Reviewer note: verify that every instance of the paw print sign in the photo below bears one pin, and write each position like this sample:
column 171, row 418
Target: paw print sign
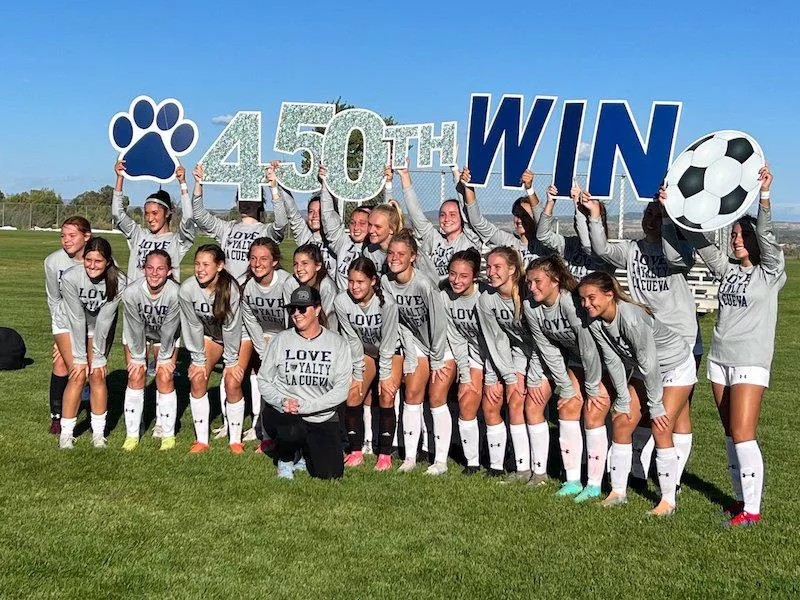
column 150, row 137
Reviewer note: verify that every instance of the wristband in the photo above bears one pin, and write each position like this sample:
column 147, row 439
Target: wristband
column 530, row 192
column 275, row 194
column 184, row 187
column 388, row 185
column 765, row 195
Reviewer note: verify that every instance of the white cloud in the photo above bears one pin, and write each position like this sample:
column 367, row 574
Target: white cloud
column 221, row 119
column 584, row 150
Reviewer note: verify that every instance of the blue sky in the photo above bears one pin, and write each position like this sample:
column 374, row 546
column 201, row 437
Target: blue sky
column 66, row 69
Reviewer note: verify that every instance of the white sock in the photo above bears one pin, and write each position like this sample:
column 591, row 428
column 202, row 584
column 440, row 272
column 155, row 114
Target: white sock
column 522, row 447
column 570, row 440
column 200, row 412
column 733, row 468
column 469, row 440
column 442, row 432
column 223, row 401
column 496, row 437
column 751, row 467
column 424, row 433
column 67, row 427
column 255, row 397
column 683, row 446
column 98, row 424
column 667, row 468
column 168, row 412
column 643, row 445
column 621, row 456
column 235, row 420
column 395, row 443
column 158, row 410
column 539, row 435
column 134, row 403
column 412, row 425
column 596, row 451
column 367, row 412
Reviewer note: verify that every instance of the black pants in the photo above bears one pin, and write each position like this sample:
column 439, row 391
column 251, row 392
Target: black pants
column 320, row 443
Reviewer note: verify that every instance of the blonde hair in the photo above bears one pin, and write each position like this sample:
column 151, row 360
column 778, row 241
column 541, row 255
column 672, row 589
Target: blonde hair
column 607, row 283
column 393, row 213
column 513, row 259
column 556, row 269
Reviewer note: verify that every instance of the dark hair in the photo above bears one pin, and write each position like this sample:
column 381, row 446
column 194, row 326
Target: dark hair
column 748, row 223
column 603, row 214
column 221, row 310
column 79, row 223
column 607, row 283
column 556, row 269
column 315, row 198
column 271, row 245
column 513, row 258
column 314, row 251
column 249, row 208
column 111, row 274
column 361, row 209
column 364, row 265
column 528, row 220
column 162, row 196
column 458, row 206
column 471, row 256
column 165, row 255
column 406, row 236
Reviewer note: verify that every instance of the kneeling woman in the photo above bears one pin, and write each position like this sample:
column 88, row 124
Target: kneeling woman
column 369, row 322
column 663, row 376
column 90, row 295
column 152, row 314
column 304, row 376
column 211, row 326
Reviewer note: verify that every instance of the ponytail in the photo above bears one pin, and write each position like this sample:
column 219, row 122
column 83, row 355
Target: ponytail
column 608, row 284
column 556, row 269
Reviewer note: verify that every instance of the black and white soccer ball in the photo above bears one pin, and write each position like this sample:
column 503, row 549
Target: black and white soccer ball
column 714, row 181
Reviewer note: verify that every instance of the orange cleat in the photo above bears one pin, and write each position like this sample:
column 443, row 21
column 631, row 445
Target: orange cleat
column 199, row 447
column 237, row 448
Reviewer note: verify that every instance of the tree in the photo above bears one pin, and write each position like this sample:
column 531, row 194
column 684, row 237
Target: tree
column 2, row 196
column 41, row 196
column 95, row 198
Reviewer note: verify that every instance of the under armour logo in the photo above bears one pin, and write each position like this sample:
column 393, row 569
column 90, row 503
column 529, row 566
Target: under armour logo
column 519, row 461
column 463, row 441
column 566, row 451
column 748, row 475
column 590, row 457
column 663, row 474
column 742, row 376
column 130, row 410
column 733, row 467
column 538, row 464
column 497, row 445
column 198, row 421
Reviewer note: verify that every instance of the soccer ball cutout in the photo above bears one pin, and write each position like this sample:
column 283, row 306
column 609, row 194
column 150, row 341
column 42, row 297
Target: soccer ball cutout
column 714, row 181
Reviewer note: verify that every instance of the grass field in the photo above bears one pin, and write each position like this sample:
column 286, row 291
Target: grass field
column 106, row 524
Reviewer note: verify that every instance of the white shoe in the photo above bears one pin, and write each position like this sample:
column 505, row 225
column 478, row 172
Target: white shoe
column 66, row 443
column 436, row 468
column 407, row 466
column 249, row 435
column 98, row 441
column 366, row 449
column 158, row 431
column 221, row 432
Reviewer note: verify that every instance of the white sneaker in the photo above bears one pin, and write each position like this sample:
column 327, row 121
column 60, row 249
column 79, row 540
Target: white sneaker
column 436, row 468
column 158, row 431
column 366, row 449
column 98, row 441
column 66, row 443
column 221, row 432
column 407, row 466
column 249, row 435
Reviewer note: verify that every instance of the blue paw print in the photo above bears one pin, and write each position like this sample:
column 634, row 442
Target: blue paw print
column 150, row 137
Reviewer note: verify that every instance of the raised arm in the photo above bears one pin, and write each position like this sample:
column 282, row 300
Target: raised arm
column 331, row 220
column 488, row 232
column 615, row 254
column 212, row 225
column 679, row 256
column 423, row 229
column 300, row 231
column 545, row 232
column 277, row 229
column 187, row 227
column 121, row 219
column 772, row 259
column 716, row 260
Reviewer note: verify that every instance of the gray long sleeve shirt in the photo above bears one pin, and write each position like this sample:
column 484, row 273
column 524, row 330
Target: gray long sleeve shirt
column 263, row 311
column 576, row 250
column 196, row 314
column 340, row 243
column 142, row 241
column 464, row 333
column 148, row 318
column 744, row 334
column 303, row 235
column 315, row 372
column 561, row 332
column 82, row 301
column 236, row 237
column 55, row 265
column 371, row 330
column 651, row 279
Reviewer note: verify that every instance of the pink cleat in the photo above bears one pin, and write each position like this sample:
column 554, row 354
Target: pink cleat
column 354, row 459
column 384, row 463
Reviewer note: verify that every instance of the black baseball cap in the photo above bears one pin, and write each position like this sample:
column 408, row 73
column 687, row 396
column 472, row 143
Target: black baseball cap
column 304, row 296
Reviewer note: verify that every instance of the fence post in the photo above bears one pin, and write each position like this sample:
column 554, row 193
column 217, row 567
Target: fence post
column 4, row 214
column 30, row 216
column 441, row 187
column 621, row 216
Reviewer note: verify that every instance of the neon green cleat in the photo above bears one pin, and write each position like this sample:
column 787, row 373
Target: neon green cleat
column 590, row 492
column 167, row 443
column 130, row 444
column 570, row 488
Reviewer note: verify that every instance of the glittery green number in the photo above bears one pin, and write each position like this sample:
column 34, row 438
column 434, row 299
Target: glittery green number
column 290, row 139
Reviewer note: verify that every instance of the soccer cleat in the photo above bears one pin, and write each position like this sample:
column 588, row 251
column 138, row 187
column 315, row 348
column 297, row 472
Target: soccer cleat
column 366, row 449
column 300, row 465
column 354, row 459
column 743, row 519
column 407, row 466
column 662, row 509
column 285, row 470
column 614, row 499
column 734, row 508
column 158, row 431
column 384, row 463
column 437, row 468
column 590, row 492
column 249, row 435
column 237, row 448
column 199, row 447
column 221, row 432
column 98, row 441
column 55, row 426
column 66, row 443
column 517, row 477
column 130, row 443
column 167, row 443
column 471, row 470
column 266, row 446
column 570, row 488
column 495, row 473
column 538, row 479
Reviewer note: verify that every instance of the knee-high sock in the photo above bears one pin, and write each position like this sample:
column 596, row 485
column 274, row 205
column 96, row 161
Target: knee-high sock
column 496, row 437
column 168, row 411
column 683, row 446
column 621, row 456
column 67, row 428
column 733, row 468
column 134, row 402
column 442, row 432
column 387, row 429
column 643, row 445
column 596, row 450
column 366, row 412
column 223, row 401
column 395, row 443
column 570, row 440
column 98, row 423
column 412, row 426
column 158, row 411
column 255, row 397
column 667, row 468
column 522, row 447
column 424, row 433
column 200, row 412
column 235, row 420
column 751, row 466
column 539, row 435
column 57, row 386
column 353, row 422
column 469, row 440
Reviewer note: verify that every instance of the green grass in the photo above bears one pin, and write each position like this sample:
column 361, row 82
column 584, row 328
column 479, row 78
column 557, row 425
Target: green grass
column 105, row 524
